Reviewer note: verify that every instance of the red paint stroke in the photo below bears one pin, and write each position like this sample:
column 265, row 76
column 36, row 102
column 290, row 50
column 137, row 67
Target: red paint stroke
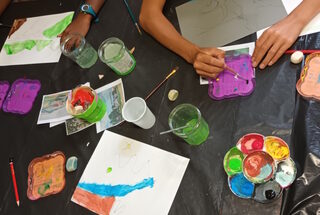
column 251, row 143
column 95, row 203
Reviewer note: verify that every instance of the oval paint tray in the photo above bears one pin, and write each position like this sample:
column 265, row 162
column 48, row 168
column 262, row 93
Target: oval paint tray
column 228, row 85
column 21, row 96
column 309, row 83
column 4, row 87
column 259, row 167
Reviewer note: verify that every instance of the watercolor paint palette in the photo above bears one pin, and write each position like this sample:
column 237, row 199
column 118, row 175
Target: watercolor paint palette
column 259, row 167
column 4, row 87
column 21, row 96
column 309, row 83
column 46, row 175
column 227, row 85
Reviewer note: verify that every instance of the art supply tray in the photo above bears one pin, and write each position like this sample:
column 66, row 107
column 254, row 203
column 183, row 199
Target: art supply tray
column 259, row 167
column 21, row 96
column 228, row 85
column 309, row 83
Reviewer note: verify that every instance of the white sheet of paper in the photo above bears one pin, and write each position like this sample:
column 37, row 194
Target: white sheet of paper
column 52, row 124
column 113, row 103
column 204, row 81
column 32, row 29
column 131, row 162
column 312, row 27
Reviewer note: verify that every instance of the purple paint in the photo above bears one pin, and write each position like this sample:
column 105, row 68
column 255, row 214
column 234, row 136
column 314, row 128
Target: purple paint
column 225, row 87
column 4, row 87
column 21, row 96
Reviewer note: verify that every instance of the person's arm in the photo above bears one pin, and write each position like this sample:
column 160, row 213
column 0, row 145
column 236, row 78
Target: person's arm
column 280, row 36
column 3, row 5
column 208, row 62
column 81, row 23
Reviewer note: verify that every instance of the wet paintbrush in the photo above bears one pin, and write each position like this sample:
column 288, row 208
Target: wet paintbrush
column 237, row 75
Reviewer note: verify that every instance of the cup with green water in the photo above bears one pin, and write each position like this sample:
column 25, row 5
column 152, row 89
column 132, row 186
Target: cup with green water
column 113, row 52
column 193, row 128
column 79, row 50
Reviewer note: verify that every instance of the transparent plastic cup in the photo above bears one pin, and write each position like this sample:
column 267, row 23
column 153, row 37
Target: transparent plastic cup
column 194, row 129
column 136, row 111
column 75, row 47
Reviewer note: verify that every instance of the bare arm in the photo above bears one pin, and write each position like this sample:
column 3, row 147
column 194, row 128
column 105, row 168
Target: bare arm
column 81, row 23
column 208, row 62
column 3, row 5
column 279, row 37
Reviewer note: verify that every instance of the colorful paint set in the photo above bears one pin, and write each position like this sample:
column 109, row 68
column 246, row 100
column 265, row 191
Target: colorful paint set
column 259, row 167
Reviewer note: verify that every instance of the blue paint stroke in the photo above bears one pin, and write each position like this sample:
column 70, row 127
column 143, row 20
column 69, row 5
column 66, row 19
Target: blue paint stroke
column 107, row 190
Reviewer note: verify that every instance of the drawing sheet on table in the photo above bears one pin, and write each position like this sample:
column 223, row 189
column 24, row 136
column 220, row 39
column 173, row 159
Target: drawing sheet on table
column 34, row 40
column 125, row 176
column 312, row 27
column 215, row 23
column 245, row 48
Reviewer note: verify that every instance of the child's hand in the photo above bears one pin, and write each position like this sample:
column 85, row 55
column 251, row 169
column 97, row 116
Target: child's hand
column 209, row 62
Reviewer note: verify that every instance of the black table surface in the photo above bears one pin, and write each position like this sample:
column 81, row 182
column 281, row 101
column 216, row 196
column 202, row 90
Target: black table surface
column 274, row 108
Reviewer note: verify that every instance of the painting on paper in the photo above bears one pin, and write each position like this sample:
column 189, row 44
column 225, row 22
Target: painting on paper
column 125, row 176
column 34, row 40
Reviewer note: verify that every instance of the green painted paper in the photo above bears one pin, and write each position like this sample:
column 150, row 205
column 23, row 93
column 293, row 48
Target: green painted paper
column 17, row 47
column 41, row 44
column 58, row 28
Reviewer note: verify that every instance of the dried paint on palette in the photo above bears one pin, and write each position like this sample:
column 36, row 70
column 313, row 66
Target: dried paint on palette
column 258, row 167
column 250, row 143
column 286, row 173
column 240, row 186
column 277, row 148
column 233, row 161
column 267, row 192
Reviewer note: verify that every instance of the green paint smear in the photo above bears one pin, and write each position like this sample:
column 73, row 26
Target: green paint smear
column 58, row 28
column 17, row 47
column 235, row 164
column 44, row 187
column 109, row 169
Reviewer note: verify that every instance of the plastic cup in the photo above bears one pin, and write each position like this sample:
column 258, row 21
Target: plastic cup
column 113, row 52
column 135, row 110
column 75, row 47
column 197, row 130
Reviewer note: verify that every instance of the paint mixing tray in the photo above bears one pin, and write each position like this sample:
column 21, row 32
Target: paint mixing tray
column 46, row 175
column 4, row 87
column 259, row 167
column 309, row 83
column 228, row 85
column 21, row 96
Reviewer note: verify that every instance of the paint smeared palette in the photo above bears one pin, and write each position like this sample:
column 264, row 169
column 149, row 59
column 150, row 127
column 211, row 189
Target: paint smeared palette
column 309, row 83
column 259, row 167
column 228, row 85
column 46, row 175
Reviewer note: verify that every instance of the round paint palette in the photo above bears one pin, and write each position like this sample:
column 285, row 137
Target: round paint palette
column 259, row 167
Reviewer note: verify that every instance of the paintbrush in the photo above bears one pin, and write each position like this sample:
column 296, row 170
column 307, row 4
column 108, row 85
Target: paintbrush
column 236, row 74
column 5, row 26
column 162, row 82
column 132, row 17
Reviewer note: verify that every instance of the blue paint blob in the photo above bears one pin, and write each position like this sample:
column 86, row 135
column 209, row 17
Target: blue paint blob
column 107, row 190
column 240, row 186
column 265, row 172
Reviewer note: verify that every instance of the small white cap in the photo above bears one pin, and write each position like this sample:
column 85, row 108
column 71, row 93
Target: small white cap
column 296, row 57
column 173, row 95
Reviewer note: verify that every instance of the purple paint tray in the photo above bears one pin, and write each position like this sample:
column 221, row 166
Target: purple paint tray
column 21, row 96
column 226, row 85
column 4, row 87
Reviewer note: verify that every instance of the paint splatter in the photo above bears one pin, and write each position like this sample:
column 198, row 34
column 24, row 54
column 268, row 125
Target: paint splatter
column 286, row 173
column 251, row 142
column 240, row 186
column 277, row 148
column 58, row 28
column 258, row 167
column 232, row 161
column 109, row 169
column 120, row 190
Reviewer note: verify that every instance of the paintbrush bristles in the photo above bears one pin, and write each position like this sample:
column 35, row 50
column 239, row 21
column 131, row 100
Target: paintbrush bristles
column 162, row 82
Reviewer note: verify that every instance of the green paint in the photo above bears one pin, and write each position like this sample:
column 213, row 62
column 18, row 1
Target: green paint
column 58, row 28
column 195, row 135
column 235, row 163
column 109, row 169
column 44, row 187
column 17, row 47
column 41, row 44
column 232, row 161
